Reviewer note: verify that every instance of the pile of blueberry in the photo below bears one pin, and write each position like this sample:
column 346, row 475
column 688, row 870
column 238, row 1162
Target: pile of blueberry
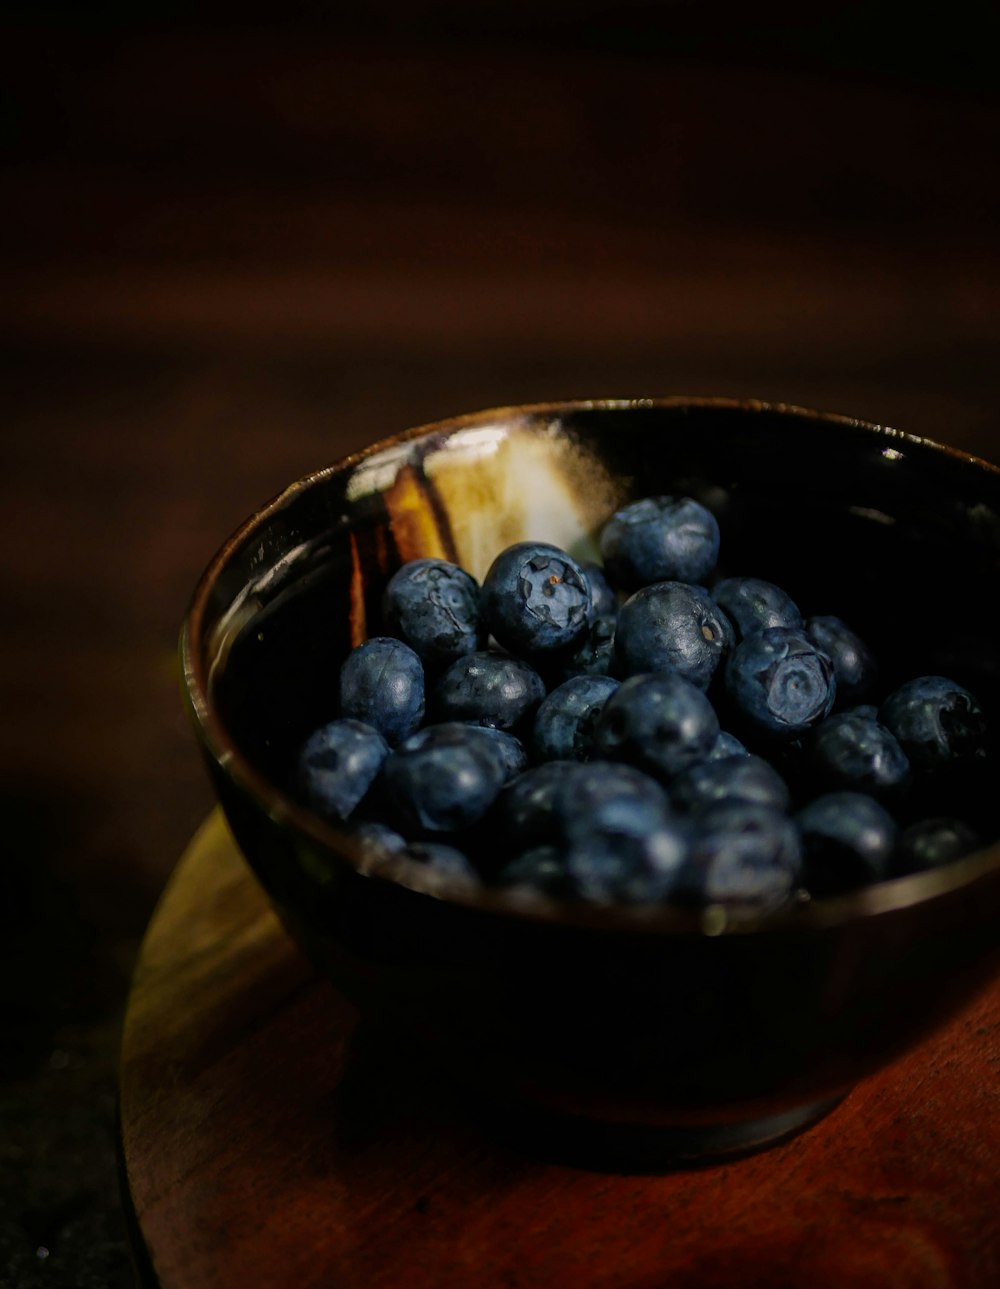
column 637, row 732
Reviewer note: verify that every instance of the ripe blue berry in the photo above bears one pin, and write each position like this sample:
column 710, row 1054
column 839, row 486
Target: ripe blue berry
column 634, row 868
column 337, row 765
column 444, row 778
column 672, row 627
column 780, row 682
column 744, row 856
column 434, row 606
column 524, row 808
column 536, row 599
column 854, row 752
column 382, row 684
column 848, row 840
column 660, row 539
column 854, row 664
column 540, row 869
column 659, row 723
column 447, row 860
column 594, row 654
column 749, row 779
column 603, row 600
column 939, row 724
column 930, row 843
column 751, row 604
column 488, row 689
column 565, row 720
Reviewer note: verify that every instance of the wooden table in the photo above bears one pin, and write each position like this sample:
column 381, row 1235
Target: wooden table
column 270, row 1138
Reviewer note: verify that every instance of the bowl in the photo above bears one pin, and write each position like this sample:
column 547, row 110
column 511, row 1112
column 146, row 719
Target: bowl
column 648, row 1036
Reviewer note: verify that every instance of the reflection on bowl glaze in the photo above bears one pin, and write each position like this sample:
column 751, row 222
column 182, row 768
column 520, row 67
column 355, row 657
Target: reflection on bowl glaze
column 712, row 1036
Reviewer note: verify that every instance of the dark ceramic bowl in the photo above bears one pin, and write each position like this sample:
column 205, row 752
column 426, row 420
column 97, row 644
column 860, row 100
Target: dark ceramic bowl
column 654, row 1035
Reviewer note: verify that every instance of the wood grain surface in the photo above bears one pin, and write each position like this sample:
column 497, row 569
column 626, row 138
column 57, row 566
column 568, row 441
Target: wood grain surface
column 270, row 1138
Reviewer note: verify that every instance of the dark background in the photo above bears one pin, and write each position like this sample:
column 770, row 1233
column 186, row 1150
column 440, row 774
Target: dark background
column 233, row 249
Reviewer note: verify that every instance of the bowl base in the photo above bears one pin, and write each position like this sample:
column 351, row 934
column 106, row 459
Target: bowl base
column 640, row 1148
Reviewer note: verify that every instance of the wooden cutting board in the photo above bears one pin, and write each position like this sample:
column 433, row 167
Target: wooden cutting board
column 270, row 1139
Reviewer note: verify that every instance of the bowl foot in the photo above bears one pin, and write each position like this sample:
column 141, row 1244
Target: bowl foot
column 641, row 1148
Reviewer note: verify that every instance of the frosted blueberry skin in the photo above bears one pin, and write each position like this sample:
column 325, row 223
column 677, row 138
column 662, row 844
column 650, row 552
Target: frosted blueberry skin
column 337, row 765
column 541, row 869
column 595, row 653
column 726, row 745
column 849, row 840
column 488, row 689
column 853, row 752
column 749, row 779
column 619, row 839
column 854, row 664
column 536, row 599
column 442, row 779
column 751, row 604
column 672, row 627
column 444, row 859
column 939, row 724
column 660, row 723
column 511, row 749
column 565, row 720
column 660, row 539
column 781, row 683
column 524, row 810
column 603, row 600
column 382, row 683
column 745, row 856
column 932, row 843
column 613, row 801
column 640, row 868
column 434, row 606
column 372, row 833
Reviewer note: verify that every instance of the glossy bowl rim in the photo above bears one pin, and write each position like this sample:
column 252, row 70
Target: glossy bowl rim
column 880, row 898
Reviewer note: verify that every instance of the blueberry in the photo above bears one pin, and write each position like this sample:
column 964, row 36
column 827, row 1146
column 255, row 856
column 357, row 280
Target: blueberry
column 536, row 599
column 337, row 765
column 434, row 606
column 611, row 802
column 672, row 627
column 524, row 808
column 854, row 752
column 659, row 723
column 447, row 860
column 660, row 539
column 378, row 835
column 488, row 689
column 780, row 682
column 541, row 869
column 382, row 684
column 751, row 604
column 745, row 856
column 594, row 654
column 749, row 779
column 603, row 600
column 854, row 664
column 564, row 723
column 511, row 749
column 444, row 778
column 621, row 842
column 639, row 868
column 726, row 745
column 848, row 840
column 938, row 723
column 930, row 843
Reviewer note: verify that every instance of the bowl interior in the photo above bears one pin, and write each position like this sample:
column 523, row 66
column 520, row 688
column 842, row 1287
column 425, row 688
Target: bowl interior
column 898, row 536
